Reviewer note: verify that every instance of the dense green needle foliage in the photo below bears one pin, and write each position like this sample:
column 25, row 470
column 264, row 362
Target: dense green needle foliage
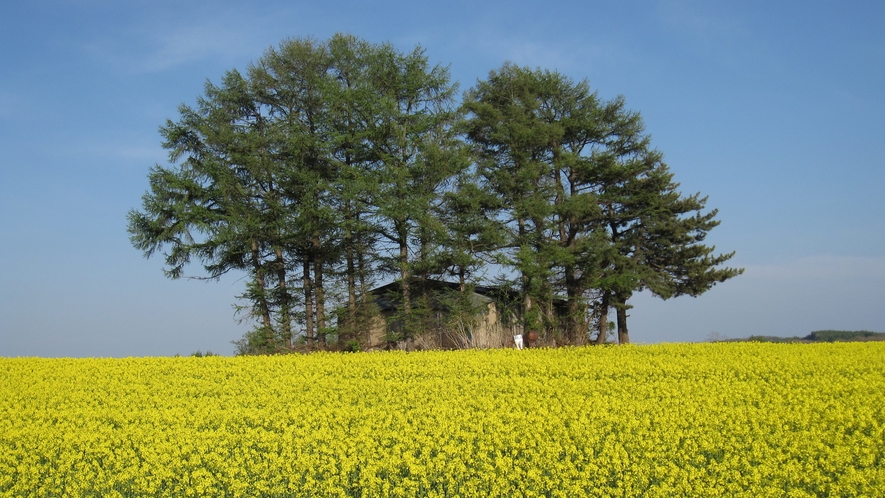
column 330, row 165
column 592, row 210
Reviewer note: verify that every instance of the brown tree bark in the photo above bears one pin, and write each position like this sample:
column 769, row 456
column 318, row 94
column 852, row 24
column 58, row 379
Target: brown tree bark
column 285, row 315
column 603, row 318
column 577, row 327
column 347, row 332
column 308, row 303
column 623, row 334
column 406, row 286
column 263, row 308
column 320, row 296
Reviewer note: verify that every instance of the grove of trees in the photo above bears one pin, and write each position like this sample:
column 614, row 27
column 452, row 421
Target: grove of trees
column 329, row 166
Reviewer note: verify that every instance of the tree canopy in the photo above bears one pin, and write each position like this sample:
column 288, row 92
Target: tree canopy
column 331, row 165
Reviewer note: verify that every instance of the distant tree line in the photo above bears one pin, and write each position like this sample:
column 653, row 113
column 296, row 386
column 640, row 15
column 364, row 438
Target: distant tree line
column 329, row 166
column 821, row 336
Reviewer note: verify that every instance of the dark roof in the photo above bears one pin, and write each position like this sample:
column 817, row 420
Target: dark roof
column 385, row 296
column 432, row 284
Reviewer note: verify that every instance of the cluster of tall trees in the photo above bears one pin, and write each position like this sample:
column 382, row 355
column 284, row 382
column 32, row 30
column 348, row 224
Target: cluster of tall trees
column 331, row 165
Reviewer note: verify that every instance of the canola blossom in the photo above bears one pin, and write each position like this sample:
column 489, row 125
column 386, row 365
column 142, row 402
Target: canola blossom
column 726, row 419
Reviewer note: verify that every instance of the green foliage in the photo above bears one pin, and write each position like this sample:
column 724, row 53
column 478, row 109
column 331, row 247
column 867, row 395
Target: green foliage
column 591, row 209
column 329, row 165
column 260, row 340
column 843, row 335
column 200, row 354
column 824, row 336
column 771, row 338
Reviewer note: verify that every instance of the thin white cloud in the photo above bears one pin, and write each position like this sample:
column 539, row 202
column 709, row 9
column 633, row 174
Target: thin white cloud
column 560, row 57
column 12, row 104
column 146, row 154
column 186, row 44
column 110, row 149
column 830, row 268
column 718, row 33
column 155, row 46
column 565, row 57
column 787, row 299
column 696, row 19
column 853, row 100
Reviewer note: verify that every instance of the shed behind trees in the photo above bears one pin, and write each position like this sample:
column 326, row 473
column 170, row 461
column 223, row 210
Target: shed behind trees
column 444, row 317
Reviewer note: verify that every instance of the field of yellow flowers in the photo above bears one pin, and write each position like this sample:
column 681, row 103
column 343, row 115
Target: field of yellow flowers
column 730, row 419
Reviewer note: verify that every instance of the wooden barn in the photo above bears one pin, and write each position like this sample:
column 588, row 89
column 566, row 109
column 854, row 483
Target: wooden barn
column 488, row 318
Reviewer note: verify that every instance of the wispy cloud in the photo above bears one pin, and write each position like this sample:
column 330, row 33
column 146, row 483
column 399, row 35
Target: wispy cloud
column 157, row 46
column 15, row 104
column 127, row 151
column 8, row 104
column 698, row 19
column 716, row 31
column 566, row 56
column 561, row 57
column 830, row 268
column 792, row 298
column 110, row 149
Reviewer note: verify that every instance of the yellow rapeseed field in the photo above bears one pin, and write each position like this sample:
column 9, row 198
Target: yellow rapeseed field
column 727, row 419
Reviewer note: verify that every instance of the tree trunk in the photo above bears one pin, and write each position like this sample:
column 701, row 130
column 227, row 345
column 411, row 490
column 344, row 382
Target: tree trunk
column 544, row 293
column 362, row 273
column 405, row 285
column 623, row 334
column 347, row 332
column 320, row 295
column 364, row 316
column 308, row 303
column 527, row 321
column 603, row 318
column 285, row 312
column 263, row 308
column 577, row 309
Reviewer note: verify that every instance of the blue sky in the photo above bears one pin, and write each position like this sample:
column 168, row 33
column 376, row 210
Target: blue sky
column 775, row 110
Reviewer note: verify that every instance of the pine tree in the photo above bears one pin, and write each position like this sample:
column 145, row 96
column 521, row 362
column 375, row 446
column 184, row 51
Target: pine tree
column 511, row 143
column 353, row 103
column 331, row 164
column 414, row 140
column 592, row 211
column 652, row 241
column 219, row 205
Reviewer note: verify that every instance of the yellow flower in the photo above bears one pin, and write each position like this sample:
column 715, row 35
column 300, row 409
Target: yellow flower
column 736, row 419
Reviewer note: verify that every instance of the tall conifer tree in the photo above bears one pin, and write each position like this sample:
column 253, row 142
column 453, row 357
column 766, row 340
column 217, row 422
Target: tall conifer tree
column 593, row 213
column 414, row 139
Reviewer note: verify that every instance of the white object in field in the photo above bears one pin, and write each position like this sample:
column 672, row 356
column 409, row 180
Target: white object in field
column 517, row 339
